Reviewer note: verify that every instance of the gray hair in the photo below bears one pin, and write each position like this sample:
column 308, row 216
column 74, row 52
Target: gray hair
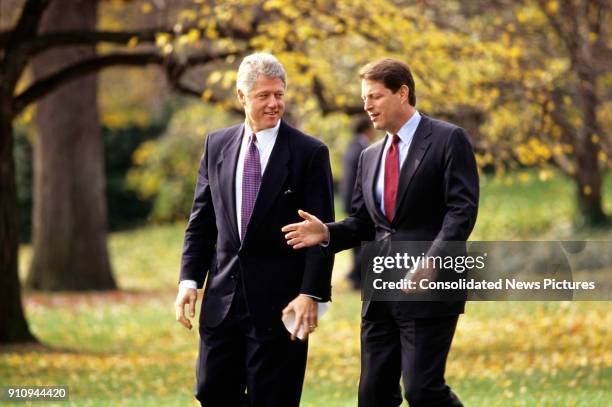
column 255, row 65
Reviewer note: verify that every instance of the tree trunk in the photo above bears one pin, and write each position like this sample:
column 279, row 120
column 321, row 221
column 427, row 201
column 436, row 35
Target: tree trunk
column 13, row 326
column 590, row 174
column 590, row 210
column 69, row 214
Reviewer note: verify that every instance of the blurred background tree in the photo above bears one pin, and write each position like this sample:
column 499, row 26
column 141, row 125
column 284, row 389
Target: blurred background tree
column 69, row 211
column 166, row 168
column 529, row 80
column 552, row 90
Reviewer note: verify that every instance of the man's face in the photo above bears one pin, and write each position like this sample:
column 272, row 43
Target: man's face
column 382, row 105
column 264, row 104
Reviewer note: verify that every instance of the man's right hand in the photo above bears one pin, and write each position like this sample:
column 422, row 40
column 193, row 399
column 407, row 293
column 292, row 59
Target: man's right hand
column 185, row 296
column 307, row 233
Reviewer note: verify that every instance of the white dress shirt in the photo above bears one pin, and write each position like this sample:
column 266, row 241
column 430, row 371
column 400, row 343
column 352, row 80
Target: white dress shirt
column 265, row 142
column 405, row 133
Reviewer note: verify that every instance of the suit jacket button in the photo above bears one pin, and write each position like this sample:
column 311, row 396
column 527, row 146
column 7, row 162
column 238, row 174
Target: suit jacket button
column 233, row 276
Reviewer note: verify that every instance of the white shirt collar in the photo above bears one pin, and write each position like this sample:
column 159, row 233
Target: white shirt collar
column 406, row 132
column 265, row 136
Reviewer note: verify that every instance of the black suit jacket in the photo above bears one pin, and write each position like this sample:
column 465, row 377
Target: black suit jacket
column 437, row 200
column 297, row 176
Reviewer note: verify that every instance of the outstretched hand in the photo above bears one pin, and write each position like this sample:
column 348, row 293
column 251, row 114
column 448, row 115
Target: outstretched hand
column 310, row 232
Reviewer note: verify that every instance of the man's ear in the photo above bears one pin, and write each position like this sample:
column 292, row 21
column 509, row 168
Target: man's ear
column 404, row 93
column 241, row 97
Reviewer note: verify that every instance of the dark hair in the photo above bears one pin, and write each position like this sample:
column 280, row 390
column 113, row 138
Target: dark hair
column 362, row 125
column 393, row 74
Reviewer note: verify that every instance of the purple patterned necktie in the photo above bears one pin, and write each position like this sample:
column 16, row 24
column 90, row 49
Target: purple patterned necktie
column 251, row 180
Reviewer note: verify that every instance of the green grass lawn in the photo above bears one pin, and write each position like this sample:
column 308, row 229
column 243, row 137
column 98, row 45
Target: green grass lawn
column 125, row 349
column 522, row 206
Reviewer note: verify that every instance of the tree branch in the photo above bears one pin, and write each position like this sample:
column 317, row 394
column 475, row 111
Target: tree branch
column 189, row 91
column 28, row 22
column 44, row 86
column 174, row 71
column 46, row 41
column 203, row 58
column 13, row 60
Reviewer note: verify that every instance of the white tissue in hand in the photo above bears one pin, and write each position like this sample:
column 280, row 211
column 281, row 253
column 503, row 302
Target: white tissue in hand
column 289, row 319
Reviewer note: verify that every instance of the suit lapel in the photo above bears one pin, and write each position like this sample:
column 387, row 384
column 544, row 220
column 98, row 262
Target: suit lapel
column 273, row 179
column 418, row 147
column 226, row 168
column 371, row 169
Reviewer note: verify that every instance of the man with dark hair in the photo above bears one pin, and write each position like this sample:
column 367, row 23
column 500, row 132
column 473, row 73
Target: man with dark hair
column 253, row 177
column 419, row 183
column 363, row 134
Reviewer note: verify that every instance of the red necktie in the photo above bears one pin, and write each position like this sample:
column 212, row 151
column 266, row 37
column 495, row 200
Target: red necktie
column 391, row 177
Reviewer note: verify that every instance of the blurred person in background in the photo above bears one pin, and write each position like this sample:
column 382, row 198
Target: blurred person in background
column 363, row 134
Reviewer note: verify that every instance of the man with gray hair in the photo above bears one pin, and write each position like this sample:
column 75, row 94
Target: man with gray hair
column 253, row 177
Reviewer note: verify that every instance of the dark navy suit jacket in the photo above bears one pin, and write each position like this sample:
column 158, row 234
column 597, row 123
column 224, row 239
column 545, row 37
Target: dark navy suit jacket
column 437, row 201
column 297, row 176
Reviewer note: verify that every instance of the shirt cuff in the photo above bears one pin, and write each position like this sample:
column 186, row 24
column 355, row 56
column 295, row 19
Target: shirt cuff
column 326, row 243
column 318, row 299
column 188, row 284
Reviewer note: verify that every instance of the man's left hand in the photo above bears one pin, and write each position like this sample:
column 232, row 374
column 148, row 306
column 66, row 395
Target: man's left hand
column 422, row 273
column 305, row 309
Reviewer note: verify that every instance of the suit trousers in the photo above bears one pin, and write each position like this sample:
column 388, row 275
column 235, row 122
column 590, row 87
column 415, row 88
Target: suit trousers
column 415, row 348
column 239, row 366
